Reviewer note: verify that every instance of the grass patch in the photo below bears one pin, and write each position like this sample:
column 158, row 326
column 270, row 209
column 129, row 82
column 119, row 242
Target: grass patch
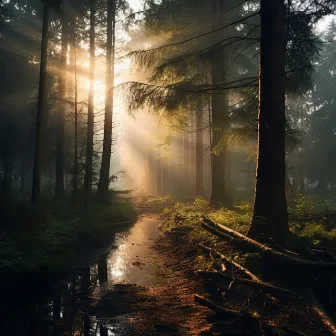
column 186, row 217
column 52, row 236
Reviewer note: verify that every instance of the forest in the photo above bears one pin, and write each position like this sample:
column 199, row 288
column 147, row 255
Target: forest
column 166, row 167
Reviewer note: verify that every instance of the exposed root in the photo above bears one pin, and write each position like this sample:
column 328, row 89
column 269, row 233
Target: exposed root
column 247, row 244
column 216, row 308
column 218, row 278
column 231, row 262
column 325, row 319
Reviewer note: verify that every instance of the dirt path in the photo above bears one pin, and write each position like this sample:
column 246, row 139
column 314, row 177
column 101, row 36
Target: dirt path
column 153, row 294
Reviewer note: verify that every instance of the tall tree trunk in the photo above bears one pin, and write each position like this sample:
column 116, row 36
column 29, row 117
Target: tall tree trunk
column 270, row 215
column 199, row 148
column 301, row 168
column 90, row 120
column 102, row 270
column 76, row 135
column 165, row 177
column 186, row 164
column 159, row 175
column 75, row 174
column 59, row 180
column 103, row 331
column 150, row 182
column 40, row 107
column 220, row 122
column 104, row 178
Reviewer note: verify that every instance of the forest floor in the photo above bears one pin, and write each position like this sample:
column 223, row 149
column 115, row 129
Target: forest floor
column 146, row 283
column 169, row 308
column 164, row 306
column 42, row 243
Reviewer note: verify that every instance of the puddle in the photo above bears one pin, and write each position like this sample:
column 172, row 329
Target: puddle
column 131, row 261
column 64, row 310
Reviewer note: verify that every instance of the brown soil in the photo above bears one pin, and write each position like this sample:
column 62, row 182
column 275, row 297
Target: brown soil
column 170, row 309
column 157, row 310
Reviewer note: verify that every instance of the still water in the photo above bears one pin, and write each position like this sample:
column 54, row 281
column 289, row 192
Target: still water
column 71, row 308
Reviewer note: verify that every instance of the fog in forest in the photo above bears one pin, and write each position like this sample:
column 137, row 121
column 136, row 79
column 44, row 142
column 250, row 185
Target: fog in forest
column 149, row 144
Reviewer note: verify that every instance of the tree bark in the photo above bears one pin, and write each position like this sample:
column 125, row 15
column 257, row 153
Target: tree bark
column 75, row 176
column 220, row 122
column 104, row 178
column 40, row 108
column 165, row 177
column 186, row 165
column 270, row 208
column 102, row 271
column 90, row 121
column 59, row 178
column 159, row 175
column 199, row 148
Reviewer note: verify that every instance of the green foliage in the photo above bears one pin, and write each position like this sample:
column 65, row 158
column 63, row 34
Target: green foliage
column 158, row 200
column 303, row 205
column 317, row 233
column 62, row 232
column 201, row 202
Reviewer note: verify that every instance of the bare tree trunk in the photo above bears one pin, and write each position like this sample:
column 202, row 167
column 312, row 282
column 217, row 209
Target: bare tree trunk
column 199, row 148
column 90, row 120
column 159, row 175
column 220, row 123
column 102, row 271
column 150, row 182
column 104, row 178
column 165, row 177
column 59, row 180
column 301, row 168
column 270, row 215
column 40, row 108
column 75, row 177
column 186, row 175
column 103, row 331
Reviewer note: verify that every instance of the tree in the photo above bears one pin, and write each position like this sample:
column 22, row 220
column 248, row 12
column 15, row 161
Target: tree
column 270, row 209
column 41, row 106
column 220, row 114
column 104, row 178
column 59, row 180
column 199, row 148
column 318, row 152
column 90, row 120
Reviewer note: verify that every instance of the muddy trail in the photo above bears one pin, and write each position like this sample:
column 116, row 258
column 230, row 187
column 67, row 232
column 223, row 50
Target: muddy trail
column 139, row 287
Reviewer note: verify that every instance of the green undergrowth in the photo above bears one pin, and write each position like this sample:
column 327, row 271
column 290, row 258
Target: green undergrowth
column 316, row 220
column 157, row 200
column 185, row 217
column 53, row 235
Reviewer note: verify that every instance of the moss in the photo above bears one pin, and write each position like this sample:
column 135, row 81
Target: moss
column 186, row 217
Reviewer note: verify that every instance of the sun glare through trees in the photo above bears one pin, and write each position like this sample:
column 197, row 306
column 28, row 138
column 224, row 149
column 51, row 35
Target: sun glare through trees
column 167, row 167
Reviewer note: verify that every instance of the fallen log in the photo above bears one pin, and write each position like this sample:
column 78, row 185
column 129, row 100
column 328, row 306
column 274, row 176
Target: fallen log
column 325, row 319
column 280, row 248
column 218, row 277
column 234, row 241
column 247, row 244
column 232, row 263
column 216, row 308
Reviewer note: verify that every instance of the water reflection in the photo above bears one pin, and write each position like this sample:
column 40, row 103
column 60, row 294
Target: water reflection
column 64, row 310
column 131, row 261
